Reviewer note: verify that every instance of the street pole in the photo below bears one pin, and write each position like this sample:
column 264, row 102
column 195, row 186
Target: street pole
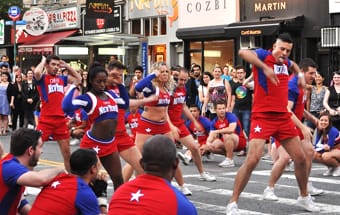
column 15, row 42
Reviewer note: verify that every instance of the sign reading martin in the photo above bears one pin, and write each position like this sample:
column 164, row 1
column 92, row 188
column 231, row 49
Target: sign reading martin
column 102, row 17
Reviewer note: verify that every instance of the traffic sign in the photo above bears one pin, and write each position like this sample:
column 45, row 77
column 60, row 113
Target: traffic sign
column 14, row 12
column 18, row 22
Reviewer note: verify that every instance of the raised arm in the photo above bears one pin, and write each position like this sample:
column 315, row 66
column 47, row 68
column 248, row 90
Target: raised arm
column 38, row 71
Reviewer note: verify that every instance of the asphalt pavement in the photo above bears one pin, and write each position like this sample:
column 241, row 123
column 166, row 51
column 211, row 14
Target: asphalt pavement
column 210, row 198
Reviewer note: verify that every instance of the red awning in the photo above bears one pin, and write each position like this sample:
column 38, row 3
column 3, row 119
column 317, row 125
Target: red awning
column 42, row 44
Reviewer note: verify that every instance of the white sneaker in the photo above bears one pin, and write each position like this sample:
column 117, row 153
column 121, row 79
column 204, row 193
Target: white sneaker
column 209, row 156
column 307, row 203
column 329, row 171
column 268, row 194
column 290, row 167
column 185, row 191
column 267, row 157
column 207, row 177
column 184, row 158
column 226, row 163
column 232, row 209
column 336, row 172
column 312, row 190
column 74, row 142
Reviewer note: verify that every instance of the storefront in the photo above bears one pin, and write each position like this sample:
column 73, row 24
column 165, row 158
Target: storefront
column 157, row 21
column 258, row 24
column 201, row 27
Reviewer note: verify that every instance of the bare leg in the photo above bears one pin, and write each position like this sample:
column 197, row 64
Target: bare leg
column 64, row 146
column 189, row 142
column 179, row 176
column 279, row 166
column 294, row 149
column 132, row 156
column 112, row 165
column 253, row 157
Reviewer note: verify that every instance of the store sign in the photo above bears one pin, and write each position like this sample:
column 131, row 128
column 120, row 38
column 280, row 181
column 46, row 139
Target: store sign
column 255, row 9
column 334, row 6
column 2, row 31
column 102, row 17
column 251, row 32
column 36, row 21
column 145, row 58
column 200, row 13
column 63, row 19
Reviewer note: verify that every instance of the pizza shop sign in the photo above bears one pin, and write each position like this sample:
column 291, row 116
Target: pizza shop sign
column 63, row 19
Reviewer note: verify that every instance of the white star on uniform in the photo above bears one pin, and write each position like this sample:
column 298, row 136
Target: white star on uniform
column 96, row 149
column 148, row 130
column 136, row 196
column 55, row 184
column 257, row 129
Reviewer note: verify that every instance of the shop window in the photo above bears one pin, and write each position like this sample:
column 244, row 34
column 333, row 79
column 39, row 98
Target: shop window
column 147, row 27
column 218, row 52
column 155, row 26
column 163, row 25
column 135, row 26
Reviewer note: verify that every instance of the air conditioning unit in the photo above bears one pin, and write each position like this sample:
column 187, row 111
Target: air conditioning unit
column 330, row 37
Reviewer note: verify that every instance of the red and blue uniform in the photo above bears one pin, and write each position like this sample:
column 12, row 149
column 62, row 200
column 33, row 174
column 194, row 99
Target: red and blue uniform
column 229, row 118
column 149, row 194
column 203, row 134
column 297, row 95
column 122, row 139
column 146, row 126
column 176, row 108
column 331, row 139
column 11, row 193
column 270, row 101
column 79, row 116
column 66, row 194
column 52, row 121
column 97, row 110
column 132, row 120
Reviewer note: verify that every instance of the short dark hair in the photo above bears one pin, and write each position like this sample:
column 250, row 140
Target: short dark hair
column 94, row 69
column 285, row 37
column 51, row 57
column 239, row 67
column 22, row 139
column 219, row 102
column 140, row 68
column 82, row 160
column 159, row 154
column 115, row 64
column 9, row 79
column 307, row 62
column 195, row 66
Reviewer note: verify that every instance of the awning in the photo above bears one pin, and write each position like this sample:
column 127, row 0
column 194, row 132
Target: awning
column 42, row 44
column 266, row 26
column 198, row 33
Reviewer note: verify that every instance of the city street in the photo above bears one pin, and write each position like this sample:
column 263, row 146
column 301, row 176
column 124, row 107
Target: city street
column 211, row 197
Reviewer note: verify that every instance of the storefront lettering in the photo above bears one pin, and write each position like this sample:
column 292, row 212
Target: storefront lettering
column 205, row 6
column 99, row 7
column 251, row 32
column 146, row 4
column 272, row 6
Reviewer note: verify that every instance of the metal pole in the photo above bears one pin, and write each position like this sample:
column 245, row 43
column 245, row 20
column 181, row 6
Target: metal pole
column 15, row 42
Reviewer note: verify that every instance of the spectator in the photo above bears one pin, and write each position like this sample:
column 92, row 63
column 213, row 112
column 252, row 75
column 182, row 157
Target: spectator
column 6, row 100
column 226, row 75
column 30, row 97
column 25, row 150
column 315, row 98
column 331, row 100
column 142, row 195
column 18, row 104
column 83, row 85
column 138, row 75
column 203, row 92
column 242, row 98
column 80, row 197
column 78, row 125
column 218, row 89
column 192, row 85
